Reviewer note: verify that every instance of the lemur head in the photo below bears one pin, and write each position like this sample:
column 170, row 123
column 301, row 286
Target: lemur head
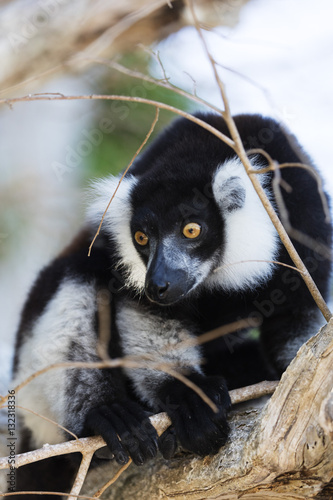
column 187, row 218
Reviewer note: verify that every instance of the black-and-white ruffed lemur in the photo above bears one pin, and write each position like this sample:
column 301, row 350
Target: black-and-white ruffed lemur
column 185, row 247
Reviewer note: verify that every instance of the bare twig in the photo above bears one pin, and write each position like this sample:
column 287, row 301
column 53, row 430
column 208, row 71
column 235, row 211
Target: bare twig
column 160, row 83
column 47, row 420
column 125, row 172
column 211, row 335
column 112, row 480
column 273, row 166
column 277, row 262
column 253, row 391
column 75, row 446
column 125, row 98
column 240, row 150
column 81, row 474
column 104, row 329
column 186, row 381
column 160, row 421
column 26, row 82
column 136, row 361
column 48, row 493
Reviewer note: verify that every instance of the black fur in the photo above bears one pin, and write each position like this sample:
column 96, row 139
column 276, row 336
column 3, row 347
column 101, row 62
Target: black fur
column 174, row 187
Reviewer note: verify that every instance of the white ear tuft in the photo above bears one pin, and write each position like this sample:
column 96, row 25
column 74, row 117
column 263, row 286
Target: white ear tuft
column 251, row 241
column 230, row 193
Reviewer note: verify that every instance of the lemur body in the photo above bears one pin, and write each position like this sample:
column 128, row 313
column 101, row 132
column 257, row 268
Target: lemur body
column 186, row 247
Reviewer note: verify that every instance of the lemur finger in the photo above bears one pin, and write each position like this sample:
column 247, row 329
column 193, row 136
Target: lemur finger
column 167, row 443
column 99, row 424
column 139, row 430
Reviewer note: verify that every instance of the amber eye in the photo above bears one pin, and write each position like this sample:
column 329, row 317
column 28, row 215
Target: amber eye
column 141, row 238
column 192, row 230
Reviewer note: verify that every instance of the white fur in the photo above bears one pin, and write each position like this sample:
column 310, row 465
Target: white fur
column 117, row 223
column 249, row 232
column 68, row 316
column 144, row 333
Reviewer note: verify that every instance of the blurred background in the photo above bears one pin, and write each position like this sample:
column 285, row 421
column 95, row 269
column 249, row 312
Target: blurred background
column 275, row 58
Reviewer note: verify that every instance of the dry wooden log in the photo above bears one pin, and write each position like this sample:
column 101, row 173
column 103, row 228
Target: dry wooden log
column 52, row 36
column 283, row 452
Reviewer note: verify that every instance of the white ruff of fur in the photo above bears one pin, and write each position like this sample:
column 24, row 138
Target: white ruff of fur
column 117, row 223
column 250, row 235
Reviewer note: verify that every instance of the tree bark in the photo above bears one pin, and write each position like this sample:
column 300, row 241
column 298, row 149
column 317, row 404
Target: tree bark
column 283, row 451
column 52, row 36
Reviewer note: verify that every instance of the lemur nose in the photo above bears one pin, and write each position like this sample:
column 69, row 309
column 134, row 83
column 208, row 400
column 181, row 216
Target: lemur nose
column 162, row 289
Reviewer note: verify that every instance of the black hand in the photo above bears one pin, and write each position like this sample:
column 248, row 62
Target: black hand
column 126, row 429
column 197, row 427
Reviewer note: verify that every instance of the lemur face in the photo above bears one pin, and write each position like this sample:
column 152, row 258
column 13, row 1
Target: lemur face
column 179, row 242
column 176, row 230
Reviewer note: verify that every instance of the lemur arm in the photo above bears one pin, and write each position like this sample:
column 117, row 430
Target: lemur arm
column 63, row 329
column 143, row 331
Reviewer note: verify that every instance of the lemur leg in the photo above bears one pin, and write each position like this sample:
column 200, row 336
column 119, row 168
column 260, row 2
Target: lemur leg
column 198, row 428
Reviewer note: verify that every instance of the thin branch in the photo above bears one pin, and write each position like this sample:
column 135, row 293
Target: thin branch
column 129, row 361
column 239, row 149
column 104, row 329
column 317, row 296
column 160, row 421
column 26, row 82
column 112, row 480
column 125, row 172
column 135, row 361
column 48, row 493
column 186, row 381
column 125, row 98
column 274, row 166
column 47, row 420
column 216, row 333
column 212, row 61
column 160, row 83
column 194, row 86
column 258, row 260
column 254, row 391
column 87, row 444
column 294, row 233
column 161, row 65
column 81, row 474
column 266, row 92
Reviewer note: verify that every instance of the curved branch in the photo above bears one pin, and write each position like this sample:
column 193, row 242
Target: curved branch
column 160, row 421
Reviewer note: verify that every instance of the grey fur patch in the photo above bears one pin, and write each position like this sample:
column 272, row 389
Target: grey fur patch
column 143, row 333
column 234, row 194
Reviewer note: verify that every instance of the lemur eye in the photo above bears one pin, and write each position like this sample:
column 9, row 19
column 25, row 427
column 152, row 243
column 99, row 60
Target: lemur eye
column 141, row 238
column 192, row 230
